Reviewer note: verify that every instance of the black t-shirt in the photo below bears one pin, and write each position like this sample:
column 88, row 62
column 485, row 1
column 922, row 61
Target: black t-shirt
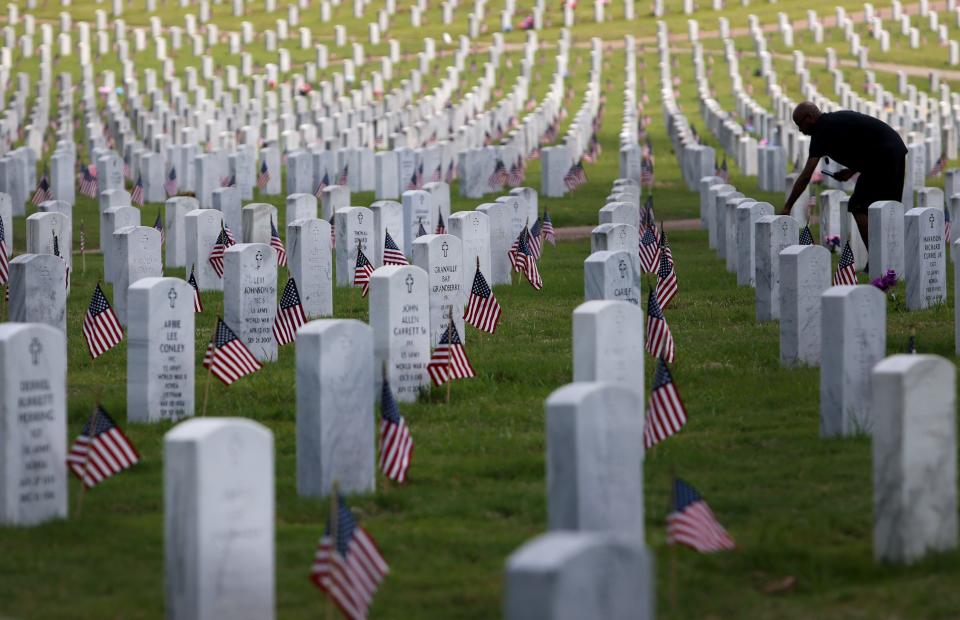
column 857, row 141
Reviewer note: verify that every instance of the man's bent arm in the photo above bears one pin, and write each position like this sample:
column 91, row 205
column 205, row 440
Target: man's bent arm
column 800, row 184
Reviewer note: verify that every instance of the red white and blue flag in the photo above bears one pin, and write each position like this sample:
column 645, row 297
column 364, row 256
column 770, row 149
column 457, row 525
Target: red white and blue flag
column 691, row 522
column 101, row 450
column 396, row 444
column 666, row 413
column 659, row 341
column 290, row 314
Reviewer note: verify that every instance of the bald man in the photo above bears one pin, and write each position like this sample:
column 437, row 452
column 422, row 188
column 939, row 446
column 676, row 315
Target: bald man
column 861, row 143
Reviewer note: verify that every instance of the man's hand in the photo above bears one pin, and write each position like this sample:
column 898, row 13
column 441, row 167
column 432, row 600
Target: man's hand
column 843, row 175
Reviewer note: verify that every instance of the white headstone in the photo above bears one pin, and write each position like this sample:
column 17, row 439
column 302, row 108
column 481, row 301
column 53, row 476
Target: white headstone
column 33, row 415
column 160, row 350
column 925, row 265
column 250, row 296
column 219, row 520
column 608, row 344
column 311, row 265
column 335, row 398
column 804, row 275
column 441, row 256
column 138, row 256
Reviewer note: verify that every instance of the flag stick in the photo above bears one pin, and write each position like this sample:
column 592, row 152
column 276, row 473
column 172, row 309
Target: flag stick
column 334, row 523
column 83, row 254
column 449, row 354
column 206, row 389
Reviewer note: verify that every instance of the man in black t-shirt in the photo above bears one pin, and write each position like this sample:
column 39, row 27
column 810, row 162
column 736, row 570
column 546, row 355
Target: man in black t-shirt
column 861, row 143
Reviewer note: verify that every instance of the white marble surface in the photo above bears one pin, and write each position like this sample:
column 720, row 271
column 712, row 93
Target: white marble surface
column 608, row 345
column 830, row 213
column 354, row 225
column 914, row 457
column 336, row 433
column 595, row 459
column 310, row 262
column 138, row 256
column 256, row 222
column 579, row 575
column 886, row 232
column 226, row 200
column 612, row 275
column 400, row 318
column 300, row 206
column 33, row 418
column 804, row 275
column 441, row 256
column 500, row 241
column 925, row 264
column 772, row 234
column 854, row 338
column 720, row 221
column 160, row 350
column 174, row 228
column 219, row 519
column 250, row 296
column 613, row 237
column 706, row 198
column 473, row 230
column 417, row 208
column 387, row 216
column 202, row 228
column 747, row 215
column 712, row 192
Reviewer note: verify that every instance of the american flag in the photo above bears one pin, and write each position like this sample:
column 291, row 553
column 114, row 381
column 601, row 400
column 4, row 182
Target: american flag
column 101, row 328
column 83, row 239
column 666, row 281
column 264, row 177
column 421, row 231
column 515, row 176
column 391, row 253
column 170, row 185
column 722, row 171
column 229, row 181
column 290, row 314
column 396, row 444
column 4, row 260
column 216, row 255
column 362, row 271
column 348, row 566
column 548, row 232
column 324, row 182
column 659, row 339
column 691, row 522
column 344, row 175
column 649, row 251
column 646, row 172
column 197, row 304
column 523, row 260
column 43, row 192
column 483, row 310
column 126, row 171
column 575, row 177
column 451, row 172
column 333, row 233
column 665, row 248
column 56, row 252
column 449, row 360
column 419, row 173
column 946, row 226
column 938, row 166
column 158, row 225
column 88, row 182
column 499, row 176
column 136, row 196
column 666, row 414
column 414, row 180
column 441, row 227
column 648, row 219
column 806, row 237
column 229, row 232
column 101, row 450
column 846, row 270
column 534, row 239
column 437, row 175
column 227, row 358
column 277, row 245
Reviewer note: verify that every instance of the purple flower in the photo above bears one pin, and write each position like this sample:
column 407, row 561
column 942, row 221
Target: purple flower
column 887, row 281
column 833, row 241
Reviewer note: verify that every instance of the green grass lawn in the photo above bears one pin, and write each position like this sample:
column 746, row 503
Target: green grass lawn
column 797, row 505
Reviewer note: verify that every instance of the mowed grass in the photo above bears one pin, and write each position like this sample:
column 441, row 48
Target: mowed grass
column 797, row 505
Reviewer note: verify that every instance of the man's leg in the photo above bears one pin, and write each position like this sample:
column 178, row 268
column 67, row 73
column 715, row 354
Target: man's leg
column 862, row 222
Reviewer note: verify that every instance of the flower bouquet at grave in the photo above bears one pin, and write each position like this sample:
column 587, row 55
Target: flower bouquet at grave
column 833, row 242
column 888, row 284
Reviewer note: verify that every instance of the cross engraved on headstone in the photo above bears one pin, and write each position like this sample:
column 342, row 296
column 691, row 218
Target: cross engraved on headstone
column 476, row 223
column 784, row 226
column 409, row 283
column 623, row 235
column 932, row 219
column 172, row 296
column 35, row 350
column 259, row 258
column 623, row 269
column 443, row 248
column 360, row 218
